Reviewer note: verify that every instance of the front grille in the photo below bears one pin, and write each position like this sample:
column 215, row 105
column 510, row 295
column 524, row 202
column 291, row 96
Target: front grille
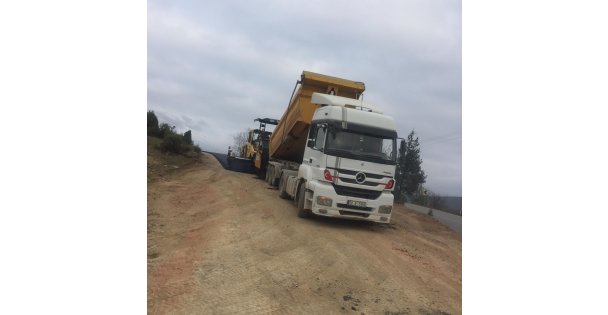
column 352, row 181
column 347, row 206
column 363, row 215
column 356, row 192
column 351, row 172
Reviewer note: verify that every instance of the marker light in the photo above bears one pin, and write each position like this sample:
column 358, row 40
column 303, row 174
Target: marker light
column 327, row 175
column 390, row 184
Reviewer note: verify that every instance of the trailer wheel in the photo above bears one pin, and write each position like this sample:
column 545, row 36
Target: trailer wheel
column 268, row 171
column 282, row 183
column 302, row 213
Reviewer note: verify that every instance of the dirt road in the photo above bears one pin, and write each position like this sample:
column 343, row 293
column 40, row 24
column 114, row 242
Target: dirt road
column 221, row 242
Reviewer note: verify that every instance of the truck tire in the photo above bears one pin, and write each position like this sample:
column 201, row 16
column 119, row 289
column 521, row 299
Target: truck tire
column 268, row 172
column 282, row 183
column 302, row 213
column 274, row 182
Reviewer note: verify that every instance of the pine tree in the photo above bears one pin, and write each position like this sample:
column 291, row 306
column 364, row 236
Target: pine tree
column 399, row 190
column 188, row 137
column 408, row 174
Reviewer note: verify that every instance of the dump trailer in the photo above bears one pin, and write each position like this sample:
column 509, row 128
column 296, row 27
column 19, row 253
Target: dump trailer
column 333, row 153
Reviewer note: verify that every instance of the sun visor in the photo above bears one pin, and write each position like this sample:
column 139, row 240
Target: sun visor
column 325, row 99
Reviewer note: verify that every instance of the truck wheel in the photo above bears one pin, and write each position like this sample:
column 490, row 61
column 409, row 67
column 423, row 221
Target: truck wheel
column 275, row 182
column 268, row 171
column 302, row 213
column 282, row 183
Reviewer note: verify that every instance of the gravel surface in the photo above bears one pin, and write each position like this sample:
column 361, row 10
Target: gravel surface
column 222, row 242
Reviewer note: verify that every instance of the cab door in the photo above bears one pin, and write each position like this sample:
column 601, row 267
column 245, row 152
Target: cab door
column 313, row 154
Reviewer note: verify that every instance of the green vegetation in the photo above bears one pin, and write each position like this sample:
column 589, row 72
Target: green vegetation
column 188, row 137
column 409, row 175
column 153, row 129
column 171, row 140
column 172, row 143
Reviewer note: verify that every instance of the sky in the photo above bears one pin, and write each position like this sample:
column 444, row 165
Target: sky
column 215, row 66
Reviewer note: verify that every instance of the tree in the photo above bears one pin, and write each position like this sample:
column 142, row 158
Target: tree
column 172, row 141
column 166, row 130
column 153, row 129
column 188, row 137
column 409, row 174
column 240, row 139
column 399, row 190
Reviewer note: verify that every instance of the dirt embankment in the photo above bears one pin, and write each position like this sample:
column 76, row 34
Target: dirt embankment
column 221, row 242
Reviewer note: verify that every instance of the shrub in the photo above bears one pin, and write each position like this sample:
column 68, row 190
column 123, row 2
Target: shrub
column 188, row 137
column 172, row 143
column 166, row 130
column 153, row 129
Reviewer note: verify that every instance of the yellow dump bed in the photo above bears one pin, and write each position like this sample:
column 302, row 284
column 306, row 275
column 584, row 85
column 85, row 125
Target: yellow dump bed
column 289, row 137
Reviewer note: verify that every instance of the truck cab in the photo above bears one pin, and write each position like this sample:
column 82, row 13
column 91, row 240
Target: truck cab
column 348, row 166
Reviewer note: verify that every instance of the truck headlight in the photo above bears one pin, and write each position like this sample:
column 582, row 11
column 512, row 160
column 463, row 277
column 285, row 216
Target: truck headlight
column 385, row 209
column 324, row 201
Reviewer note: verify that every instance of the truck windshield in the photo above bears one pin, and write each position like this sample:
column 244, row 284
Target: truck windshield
column 361, row 146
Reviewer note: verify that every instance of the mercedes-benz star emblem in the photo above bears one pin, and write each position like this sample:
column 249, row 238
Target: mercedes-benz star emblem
column 360, row 177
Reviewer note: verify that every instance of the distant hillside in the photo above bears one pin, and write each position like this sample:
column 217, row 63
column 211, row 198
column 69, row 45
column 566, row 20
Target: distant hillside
column 452, row 204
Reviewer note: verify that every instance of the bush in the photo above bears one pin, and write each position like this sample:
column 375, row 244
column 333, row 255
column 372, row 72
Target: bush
column 153, row 129
column 166, row 130
column 172, row 143
column 188, row 137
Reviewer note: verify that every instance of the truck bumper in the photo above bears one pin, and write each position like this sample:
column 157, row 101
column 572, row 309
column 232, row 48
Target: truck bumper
column 340, row 208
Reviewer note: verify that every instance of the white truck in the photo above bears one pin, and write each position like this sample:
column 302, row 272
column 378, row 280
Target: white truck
column 333, row 153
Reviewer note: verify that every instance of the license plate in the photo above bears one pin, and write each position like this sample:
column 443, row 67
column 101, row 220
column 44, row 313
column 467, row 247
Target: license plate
column 356, row 203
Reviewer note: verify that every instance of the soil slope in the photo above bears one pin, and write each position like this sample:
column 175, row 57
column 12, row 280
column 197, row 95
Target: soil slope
column 221, row 242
